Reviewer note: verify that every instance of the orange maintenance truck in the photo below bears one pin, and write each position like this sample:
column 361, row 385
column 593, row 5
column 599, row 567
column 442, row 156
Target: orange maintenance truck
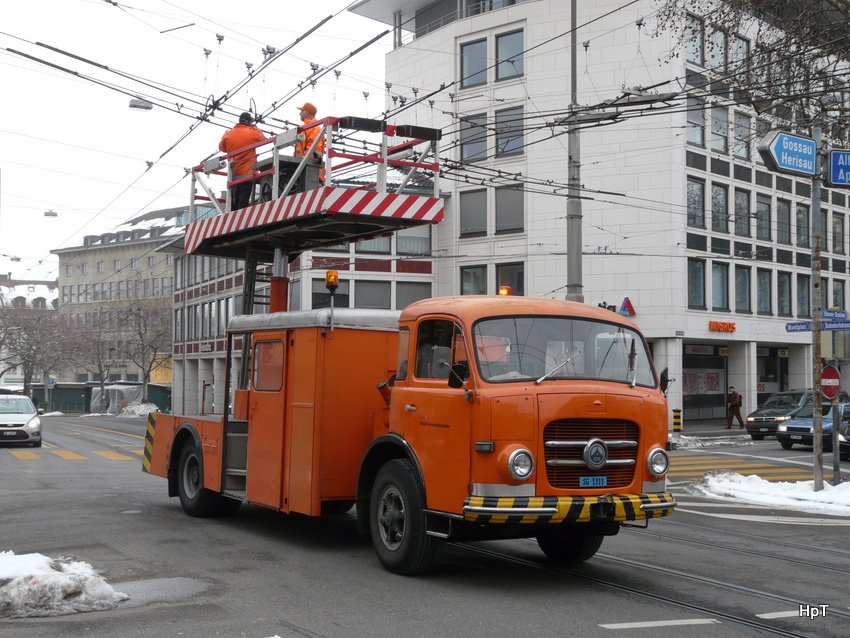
column 472, row 417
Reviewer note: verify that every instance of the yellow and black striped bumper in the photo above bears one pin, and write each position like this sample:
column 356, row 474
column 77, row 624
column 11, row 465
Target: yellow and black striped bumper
column 528, row 510
column 146, row 458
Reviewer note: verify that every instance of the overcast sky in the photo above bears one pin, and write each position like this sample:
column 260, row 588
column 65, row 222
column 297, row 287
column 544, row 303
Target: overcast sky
column 75, row 147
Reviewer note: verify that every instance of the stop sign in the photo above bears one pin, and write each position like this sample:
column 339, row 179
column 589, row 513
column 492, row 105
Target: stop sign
column 830, row 382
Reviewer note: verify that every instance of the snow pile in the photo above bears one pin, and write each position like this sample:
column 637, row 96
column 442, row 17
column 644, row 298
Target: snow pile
column 34, row 585
column 135, row 409
column 752, row 489
column 683, row 442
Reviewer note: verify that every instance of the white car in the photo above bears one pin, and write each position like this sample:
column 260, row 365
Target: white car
column 19, row 420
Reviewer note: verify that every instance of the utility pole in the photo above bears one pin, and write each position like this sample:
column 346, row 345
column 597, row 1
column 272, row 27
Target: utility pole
column 817, row 315
column 574, row 229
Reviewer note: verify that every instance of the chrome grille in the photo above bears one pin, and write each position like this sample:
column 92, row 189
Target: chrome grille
column 566, row 440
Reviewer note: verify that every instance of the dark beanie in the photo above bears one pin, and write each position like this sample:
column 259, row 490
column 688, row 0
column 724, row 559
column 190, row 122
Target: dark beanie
column 246, row 118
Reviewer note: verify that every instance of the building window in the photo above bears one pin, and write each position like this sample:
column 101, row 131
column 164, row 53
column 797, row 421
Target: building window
column 742, row 213
column 512, row 275
column 379, row 245
column 803, row 232
column 321, row 298
column 720, row 208
column 763, row 217
column 406, row 292
column 473, row 137
column 134, row 264
column 824, row 292
column 510, row 217
column 741, row 148
column 696, row 283
column 473, row 280
column 100, row 266
column 372, row 294
column 717, row 51
column 824, row 240
column 169, row 259
column 473, row 213
column 762, row 129
column 783, row 221
column 739, row 55
column 414, row 241
column 151, row 261
column 783, row 293
column 473, row 63
column 764, row 290
column 719, row 286
column 838, row 294
column 803, row 296
column 116, row 265
column 84, row 269
column 719, row 140
column 69, row 269
column 742, row 289
column 695, row 40
column 696, row 203
column 838, row 233
column 696, row 122
column 509, row 50
column 509, row 131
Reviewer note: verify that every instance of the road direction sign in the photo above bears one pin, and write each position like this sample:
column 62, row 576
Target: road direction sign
column 51, row 383
column 838, row 174
column 787, row 153
column 834, row 314
column 830, row 382
column 798, row 326
column 836, row 325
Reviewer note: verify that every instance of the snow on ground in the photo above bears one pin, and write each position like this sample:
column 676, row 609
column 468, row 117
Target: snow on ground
column 683, row 441
column 138, row 409
column 34, row 585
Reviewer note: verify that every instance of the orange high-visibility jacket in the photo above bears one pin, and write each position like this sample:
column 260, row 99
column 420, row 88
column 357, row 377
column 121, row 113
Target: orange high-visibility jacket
column 310, row 134
column 240, row 136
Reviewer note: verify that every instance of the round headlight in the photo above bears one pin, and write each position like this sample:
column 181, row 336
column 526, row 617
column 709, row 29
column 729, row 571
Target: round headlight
column 782, row 428
column 657, row 462
column 520, row 464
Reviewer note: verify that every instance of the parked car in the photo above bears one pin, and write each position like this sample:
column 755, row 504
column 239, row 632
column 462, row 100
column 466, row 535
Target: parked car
column 800, row 429
column 779, row 408
column 844, row 440
column 19, row 420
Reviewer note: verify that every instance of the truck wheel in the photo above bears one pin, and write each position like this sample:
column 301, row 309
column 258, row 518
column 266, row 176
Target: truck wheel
column 568, row 546
column 397, row 520
column 194, row 497
column 786, row 445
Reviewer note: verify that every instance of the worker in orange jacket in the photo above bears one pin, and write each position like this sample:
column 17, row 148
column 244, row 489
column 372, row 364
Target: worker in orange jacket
column 242, row 135
column 307, row 113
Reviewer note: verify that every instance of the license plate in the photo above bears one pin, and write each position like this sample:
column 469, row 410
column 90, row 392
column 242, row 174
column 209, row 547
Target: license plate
column 593, row 481
column 8, row 434
column 762, row 429
column 797, row 437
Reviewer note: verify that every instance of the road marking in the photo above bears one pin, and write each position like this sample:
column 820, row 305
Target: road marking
column 25, row 455
column 92, row 427
column 780, row 614
column 785, row 520
column 114, row 456
column 68, row 455
column 661, row 623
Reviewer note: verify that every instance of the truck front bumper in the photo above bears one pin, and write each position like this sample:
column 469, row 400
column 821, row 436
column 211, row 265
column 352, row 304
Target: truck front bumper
column 529, row 510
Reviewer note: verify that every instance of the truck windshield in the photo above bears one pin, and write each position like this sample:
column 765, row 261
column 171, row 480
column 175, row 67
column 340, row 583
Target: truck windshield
column 543, row 348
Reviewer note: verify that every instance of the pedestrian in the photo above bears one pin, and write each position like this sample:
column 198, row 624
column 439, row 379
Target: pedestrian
column 242, row 135
column 733, row 408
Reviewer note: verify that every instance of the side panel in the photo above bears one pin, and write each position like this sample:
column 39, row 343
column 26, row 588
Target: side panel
column 159, row 437
column 159, row 442
column 302, row 370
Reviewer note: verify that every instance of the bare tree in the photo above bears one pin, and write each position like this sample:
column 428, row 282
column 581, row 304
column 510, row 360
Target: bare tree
column 34, row 341
column 146, row 326
column 92, row 347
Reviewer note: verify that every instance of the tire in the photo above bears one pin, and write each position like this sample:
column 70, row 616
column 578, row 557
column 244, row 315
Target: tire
column 194, row 497
column 786, row 445
column 757, row 437
column 568, row 545
column 336, row 508
column 397, row 520
column 36, row 443
column 228, row 506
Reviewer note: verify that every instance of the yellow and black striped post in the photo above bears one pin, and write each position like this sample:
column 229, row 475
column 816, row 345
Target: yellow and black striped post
column 677, row 421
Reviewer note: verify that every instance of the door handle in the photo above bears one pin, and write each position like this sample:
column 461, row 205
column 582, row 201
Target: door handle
column 409, row 407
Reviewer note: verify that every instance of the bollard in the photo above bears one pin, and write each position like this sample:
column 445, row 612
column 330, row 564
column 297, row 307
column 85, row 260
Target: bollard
column 677, row 420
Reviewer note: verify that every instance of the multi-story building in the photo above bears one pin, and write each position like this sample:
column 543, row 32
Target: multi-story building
column 682, row 223
column 99, row 278
column 22, row 297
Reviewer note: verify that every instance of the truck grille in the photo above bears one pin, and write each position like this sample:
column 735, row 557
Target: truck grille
column 579, row 431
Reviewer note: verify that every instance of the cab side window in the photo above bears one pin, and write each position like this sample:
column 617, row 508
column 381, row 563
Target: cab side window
column 434, row 343
column 268, row 365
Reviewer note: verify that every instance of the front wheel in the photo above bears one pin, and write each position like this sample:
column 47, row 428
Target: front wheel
column 757, row 437
column 397, row 520
column 568, row 545
column 786, row 445
column 194, row 497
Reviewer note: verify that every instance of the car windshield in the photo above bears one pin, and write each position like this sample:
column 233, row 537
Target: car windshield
column 808, row 410
column 16, row 405
column 541, row 348
column 788, row 400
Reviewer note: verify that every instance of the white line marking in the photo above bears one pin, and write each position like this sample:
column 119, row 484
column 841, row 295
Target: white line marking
column 786, row 520
column 780, row 614
column 661, row 623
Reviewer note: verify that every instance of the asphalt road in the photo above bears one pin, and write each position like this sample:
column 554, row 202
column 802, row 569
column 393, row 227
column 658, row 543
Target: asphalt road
column 711, row 569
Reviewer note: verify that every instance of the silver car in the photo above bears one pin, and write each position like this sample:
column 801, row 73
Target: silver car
column 19, row 420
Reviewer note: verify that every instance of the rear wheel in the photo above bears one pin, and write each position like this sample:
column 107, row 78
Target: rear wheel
column 194, row 497
column 568, row 545
column 757, row 437
column 786, row 445
column 397, row 520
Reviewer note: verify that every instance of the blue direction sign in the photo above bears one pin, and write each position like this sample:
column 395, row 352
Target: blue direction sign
column 798, row 326
column 836, row 325
column 786, row 153
column 834, row 314
column 838, row 174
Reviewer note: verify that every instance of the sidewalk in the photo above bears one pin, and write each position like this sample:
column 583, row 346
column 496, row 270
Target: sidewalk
column 710, row 427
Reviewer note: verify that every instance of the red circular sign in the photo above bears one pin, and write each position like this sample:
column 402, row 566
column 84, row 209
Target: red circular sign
column 830, row 382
